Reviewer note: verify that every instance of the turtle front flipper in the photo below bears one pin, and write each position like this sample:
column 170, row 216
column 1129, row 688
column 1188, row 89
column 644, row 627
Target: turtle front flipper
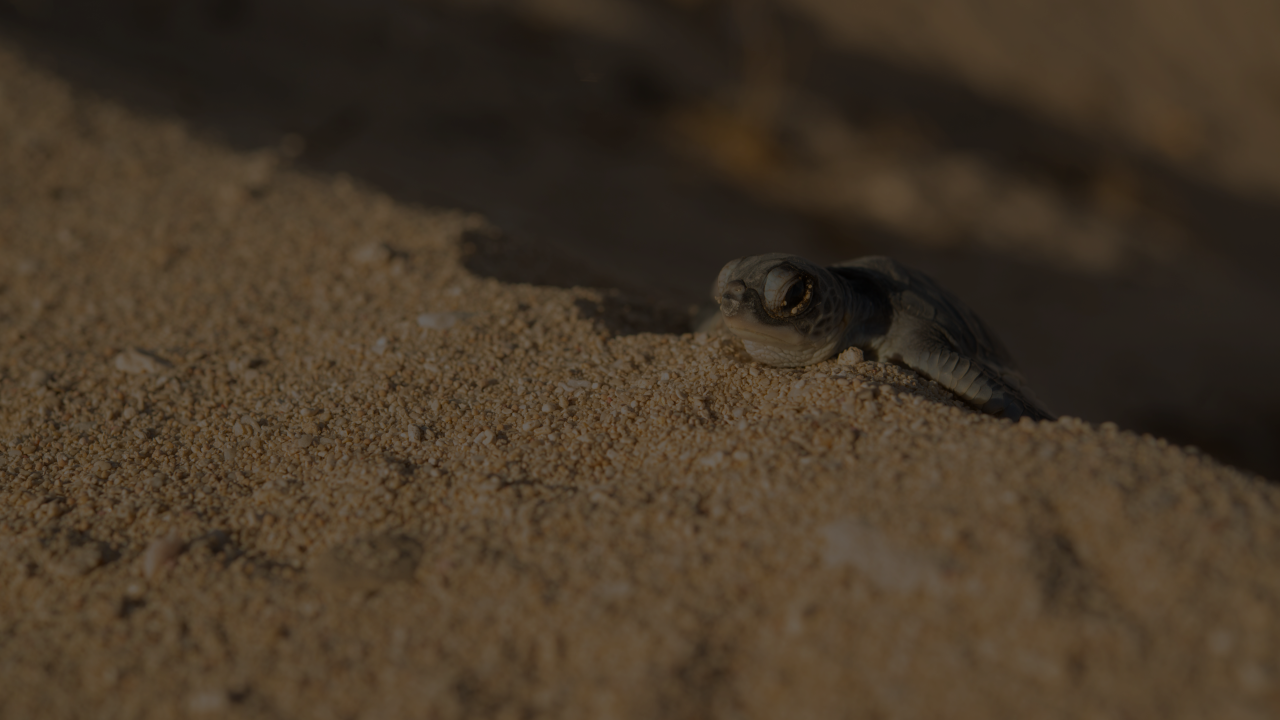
column 986, row 388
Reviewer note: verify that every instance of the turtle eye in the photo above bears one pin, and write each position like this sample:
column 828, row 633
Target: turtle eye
column 797, row 294
column 787, row 291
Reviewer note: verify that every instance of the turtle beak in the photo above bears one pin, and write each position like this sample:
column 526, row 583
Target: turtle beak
column 732, row 297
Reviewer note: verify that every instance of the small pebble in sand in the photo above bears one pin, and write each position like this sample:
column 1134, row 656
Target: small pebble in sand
column 414, row 433
column 136, row 361
column 207, row 702
column 851, row 542
column 161, row 553
column 712, row 459
column 850, row 357
column 371, row 254
column 441, row 320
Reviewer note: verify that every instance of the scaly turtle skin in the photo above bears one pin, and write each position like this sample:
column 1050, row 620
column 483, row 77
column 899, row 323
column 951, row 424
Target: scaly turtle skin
column 790, row 312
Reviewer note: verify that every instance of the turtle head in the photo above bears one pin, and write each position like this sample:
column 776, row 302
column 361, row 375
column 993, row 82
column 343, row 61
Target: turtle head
column 786, row 310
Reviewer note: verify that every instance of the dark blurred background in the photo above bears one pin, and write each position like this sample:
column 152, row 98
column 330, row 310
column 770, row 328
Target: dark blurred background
column 1099, row 180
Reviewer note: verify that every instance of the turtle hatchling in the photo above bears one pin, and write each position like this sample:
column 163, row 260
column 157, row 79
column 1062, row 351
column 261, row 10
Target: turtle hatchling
column 790, row 312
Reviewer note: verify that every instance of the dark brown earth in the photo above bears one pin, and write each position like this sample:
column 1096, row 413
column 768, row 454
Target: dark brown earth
column 287, row 430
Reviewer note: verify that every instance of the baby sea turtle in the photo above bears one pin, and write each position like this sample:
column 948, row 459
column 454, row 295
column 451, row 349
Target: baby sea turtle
column 789, row 312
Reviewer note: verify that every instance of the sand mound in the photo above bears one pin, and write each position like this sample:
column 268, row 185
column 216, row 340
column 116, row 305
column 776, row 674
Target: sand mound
column 269, row 450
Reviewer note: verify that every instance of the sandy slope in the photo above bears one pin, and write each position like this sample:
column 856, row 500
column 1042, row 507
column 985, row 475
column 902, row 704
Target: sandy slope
column 1120, row 275
column 270, row 451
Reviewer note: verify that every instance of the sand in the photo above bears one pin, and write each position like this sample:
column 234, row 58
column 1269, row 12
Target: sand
column 1119, row 275
column 269, row 449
